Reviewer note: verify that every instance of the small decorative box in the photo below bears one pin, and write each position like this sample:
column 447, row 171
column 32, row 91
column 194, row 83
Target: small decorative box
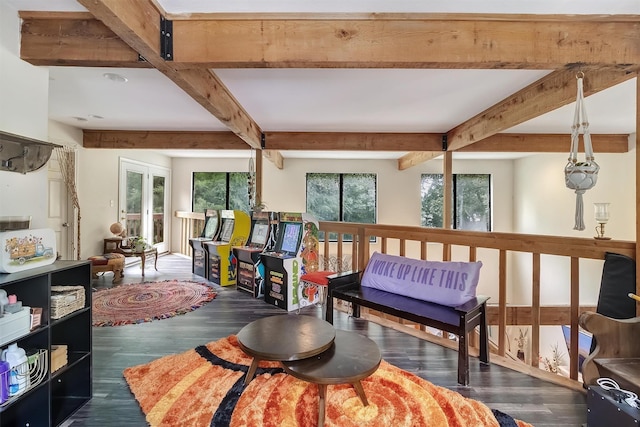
column 36, row 317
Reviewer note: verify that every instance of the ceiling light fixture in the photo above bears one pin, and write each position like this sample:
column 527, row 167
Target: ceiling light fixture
column 115, row 77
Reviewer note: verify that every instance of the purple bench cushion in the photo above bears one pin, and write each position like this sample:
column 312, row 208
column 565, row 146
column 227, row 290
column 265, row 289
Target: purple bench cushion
column 448, row 283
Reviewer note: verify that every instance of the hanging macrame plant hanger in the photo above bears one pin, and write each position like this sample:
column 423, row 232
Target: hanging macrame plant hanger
column 580, row 176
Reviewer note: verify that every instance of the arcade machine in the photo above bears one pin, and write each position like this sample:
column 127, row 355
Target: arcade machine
column 234, row 231
column 262, row 239
column 289, row 260
column 209, row 233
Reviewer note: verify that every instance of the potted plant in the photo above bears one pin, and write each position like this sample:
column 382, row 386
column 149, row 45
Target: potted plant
column 138, row 243
column 258, row 205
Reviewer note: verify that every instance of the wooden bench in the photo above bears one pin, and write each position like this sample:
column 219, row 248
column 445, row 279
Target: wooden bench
column 457, row 320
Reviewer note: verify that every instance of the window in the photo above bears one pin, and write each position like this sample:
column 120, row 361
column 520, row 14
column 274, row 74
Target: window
column 348, row 197
column 221, row 190
column 472, row 201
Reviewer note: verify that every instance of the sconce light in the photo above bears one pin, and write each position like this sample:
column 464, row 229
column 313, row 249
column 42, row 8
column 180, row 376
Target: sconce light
column 602, row 217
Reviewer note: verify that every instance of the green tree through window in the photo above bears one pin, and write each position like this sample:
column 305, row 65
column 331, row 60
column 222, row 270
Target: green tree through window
column 221, row 190
column 472, row 195
column 342, row 197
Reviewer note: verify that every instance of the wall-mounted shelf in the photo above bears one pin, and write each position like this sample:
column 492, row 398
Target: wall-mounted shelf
column 21, row 154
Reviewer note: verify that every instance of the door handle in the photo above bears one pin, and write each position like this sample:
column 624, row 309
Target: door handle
column 65, row 224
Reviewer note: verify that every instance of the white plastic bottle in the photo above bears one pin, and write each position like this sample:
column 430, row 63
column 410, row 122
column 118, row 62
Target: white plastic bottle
column 19, row 375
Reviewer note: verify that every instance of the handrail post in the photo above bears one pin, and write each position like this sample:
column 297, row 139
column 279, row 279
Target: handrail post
column 535, row 311
column 574, row 310
column 502, row 302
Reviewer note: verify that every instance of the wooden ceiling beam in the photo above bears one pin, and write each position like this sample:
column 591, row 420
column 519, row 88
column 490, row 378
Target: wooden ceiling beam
column 423, row 41
column 428, row 145
column 159, row 140
column 73, row 39
column 405, row 43
column 551, row 92
column 547, row 143
column 353, row 141
column 137, row 23
column 274, row 157
column 412, row 159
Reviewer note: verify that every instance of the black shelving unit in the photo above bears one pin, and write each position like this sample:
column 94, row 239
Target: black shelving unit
column 63, row 392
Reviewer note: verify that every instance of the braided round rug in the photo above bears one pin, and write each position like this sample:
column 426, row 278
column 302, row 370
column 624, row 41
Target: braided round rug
column 145, row 302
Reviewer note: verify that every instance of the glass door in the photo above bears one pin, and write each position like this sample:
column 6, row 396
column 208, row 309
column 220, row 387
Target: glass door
column 159, row 208
column 144, row 201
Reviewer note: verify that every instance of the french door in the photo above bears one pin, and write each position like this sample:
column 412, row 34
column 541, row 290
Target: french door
column 144, row 202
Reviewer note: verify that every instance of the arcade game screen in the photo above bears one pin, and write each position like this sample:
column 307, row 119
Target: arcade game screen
column 227, row 229
column 210, row 227
column 291, row 237
column 259, row 235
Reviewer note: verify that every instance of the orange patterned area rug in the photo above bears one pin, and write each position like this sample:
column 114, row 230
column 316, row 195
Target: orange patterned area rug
column 204, row 387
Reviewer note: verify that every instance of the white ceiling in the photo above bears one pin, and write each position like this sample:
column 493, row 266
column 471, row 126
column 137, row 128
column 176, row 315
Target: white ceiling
column 366, row 100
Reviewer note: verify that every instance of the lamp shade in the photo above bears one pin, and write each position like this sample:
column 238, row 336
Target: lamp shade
column 117, row 229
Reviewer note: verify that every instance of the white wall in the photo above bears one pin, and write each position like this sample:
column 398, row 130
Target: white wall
column 23, row 111
column 97, row 181
column 543, row 205
column 98, row 174
column 398, row 191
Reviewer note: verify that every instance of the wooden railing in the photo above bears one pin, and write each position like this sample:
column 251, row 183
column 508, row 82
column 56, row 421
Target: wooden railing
column 134, row 226
column 501, row 254
column 191, row 225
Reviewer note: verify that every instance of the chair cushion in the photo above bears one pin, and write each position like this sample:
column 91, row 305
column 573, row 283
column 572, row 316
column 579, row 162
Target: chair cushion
column 105, row 258
column 317, row 277
column 618, row 280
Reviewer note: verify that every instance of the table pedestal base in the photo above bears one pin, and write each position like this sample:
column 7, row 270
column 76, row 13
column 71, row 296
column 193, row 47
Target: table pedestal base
column 351, row 358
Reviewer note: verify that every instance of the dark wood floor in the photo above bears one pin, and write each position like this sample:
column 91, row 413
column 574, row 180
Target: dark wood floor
column 115, row 348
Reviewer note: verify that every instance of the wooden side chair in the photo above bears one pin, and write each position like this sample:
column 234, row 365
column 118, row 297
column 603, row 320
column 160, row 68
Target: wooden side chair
column 615, row 348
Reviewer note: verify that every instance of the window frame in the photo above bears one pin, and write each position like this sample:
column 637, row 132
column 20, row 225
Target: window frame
column 455, row 214
column 341, row 200
column 227, row 193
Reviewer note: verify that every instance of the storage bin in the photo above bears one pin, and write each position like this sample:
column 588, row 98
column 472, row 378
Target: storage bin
column 58, row 357
column 66, row 300
column 14, row 325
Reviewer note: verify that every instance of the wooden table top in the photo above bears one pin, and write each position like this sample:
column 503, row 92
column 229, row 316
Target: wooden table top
column 132, row 251
column 352, row 357
column 286, row 337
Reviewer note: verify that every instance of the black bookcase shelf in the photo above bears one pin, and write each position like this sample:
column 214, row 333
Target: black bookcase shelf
column 65, row 391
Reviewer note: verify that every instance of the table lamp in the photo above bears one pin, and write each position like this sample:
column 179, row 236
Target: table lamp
column 118, row 230
column 602, row 217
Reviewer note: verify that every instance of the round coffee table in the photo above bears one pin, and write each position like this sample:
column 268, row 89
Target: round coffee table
column 284, row 338
column 351, row 358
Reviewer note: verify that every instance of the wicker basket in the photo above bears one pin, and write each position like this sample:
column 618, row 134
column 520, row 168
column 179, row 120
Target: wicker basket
column 65, row 300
